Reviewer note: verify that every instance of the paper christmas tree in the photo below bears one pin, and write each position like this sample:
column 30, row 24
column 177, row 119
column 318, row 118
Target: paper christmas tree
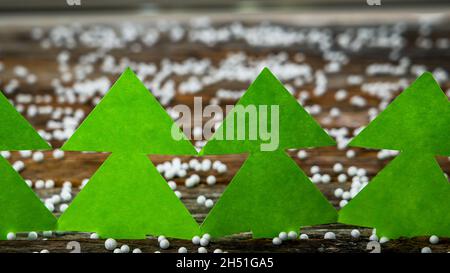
column 270, row 193
column 21, row 209
column 410, row 196
column 127, row 197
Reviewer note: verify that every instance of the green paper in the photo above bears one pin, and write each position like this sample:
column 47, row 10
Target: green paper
column 297, row 129
column 418, row 119
column 21, row 209
column 15, row 131
column 127, row 198
column 269, row 194
column 129, row 119
column 410, row 197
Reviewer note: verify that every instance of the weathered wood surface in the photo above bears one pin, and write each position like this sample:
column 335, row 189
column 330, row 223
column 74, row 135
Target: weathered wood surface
column 344, row 243
column 16, row 48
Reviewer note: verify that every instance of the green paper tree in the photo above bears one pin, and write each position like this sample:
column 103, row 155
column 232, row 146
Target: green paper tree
column 270, row 193
column 410, row 196
column 127, row 198
column 21, row 209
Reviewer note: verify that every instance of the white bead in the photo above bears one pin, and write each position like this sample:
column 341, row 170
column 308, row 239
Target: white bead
column 304, row 236
column 315, row 169
column 316, row 178
column 211, row 180
column 117, row 250
column 218, row 250
column 45, row 251
column 209, row 203
column 202, row 250
column 201, row 199
column 178, row 194
column 39, row 184
column 182, row 250
column 94, row 236
column 164, row 244
column 222, row 168
column 172, row 185
column 58, row 154
column 292, row 235
column 32, row 235
column 350, row 154
column 346, row 195
column 11, row 236
column 196, row 240
column 383, row 240
column 49, row 184
column 373, row 237
column 38, row 156
column 66, row 196
column 206, row 236
column 342, row 203
column 204, row 242
column 110, row 244
column 137, row 250
column 337, row 168
column 47, row 233
column 425, row 250
column 342, row 178
column 338, row 192
column 434, row 239
column 302, row 154
column 352, row 171
column 276, row 241
column 329, row 236
column 160, row 238
column 283, row 236
column 325, row 178
column 355, row 233
column 124, row 249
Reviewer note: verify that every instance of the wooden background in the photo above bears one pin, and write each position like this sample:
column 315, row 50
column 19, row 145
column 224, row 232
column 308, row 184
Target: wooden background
column 17, row 48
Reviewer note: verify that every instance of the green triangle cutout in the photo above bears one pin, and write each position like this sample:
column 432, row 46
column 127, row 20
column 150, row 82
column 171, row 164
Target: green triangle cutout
column 129, row 119
column 269, row 194
column 127, row 198
column 410, row 197
column 22, row 211
column 15, row 131
column 297, row 129
column 418, row 119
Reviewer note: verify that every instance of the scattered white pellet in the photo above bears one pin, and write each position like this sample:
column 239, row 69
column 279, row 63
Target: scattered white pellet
column 164, row 244
column 47, row 234
column 45, row 251
column 283, row 236
column 178, row 194
column 39, row 184
column 202, row 250
column 434, row 239
column 426, row 250
column 209, row 203
column 292, row 235
column 338, row 192
column 196, row 240
column 49, row 184
column 383, row 240
column 373, row 237
column 315, row 169
column 218, row 250
column 302, row 154
column 355, row 233
column 182, row 250
column 204, row 241
column 11, row 236
column 94, row 236
column 38, row 156
column 32, row 235
column 276, row 241
column 58, row 154
column 117, row 250
column 342, row 178
column 329, row 236
column 110, row 244
column 343, row 203
column 124, row 249
column 137, row 250
column 304, row 236
column 326, row 178
column 172, row 185
column 211, row 180
column 201, row 199
column 350, row 154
